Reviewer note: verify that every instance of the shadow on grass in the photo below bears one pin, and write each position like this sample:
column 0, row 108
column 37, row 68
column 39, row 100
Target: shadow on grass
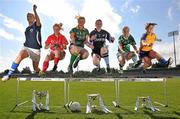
column 98, row 112
column 32, row 115
column 127, row 110
column 176, row 113
column 150, row 114
column 118, row 115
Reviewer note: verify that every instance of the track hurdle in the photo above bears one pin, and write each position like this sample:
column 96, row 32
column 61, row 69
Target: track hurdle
column 18, row 103
column 117, row 81
column 67, row 87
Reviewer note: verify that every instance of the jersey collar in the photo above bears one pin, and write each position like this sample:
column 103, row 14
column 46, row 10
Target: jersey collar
column 79, row 28
column 125, row 37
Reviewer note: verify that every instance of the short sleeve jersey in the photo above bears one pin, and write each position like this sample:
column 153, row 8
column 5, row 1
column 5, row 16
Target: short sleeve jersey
column 101, row 37
column 60, row 41
column 80, row 36
column 148, row 39
column 126, row 43
column 33, row 36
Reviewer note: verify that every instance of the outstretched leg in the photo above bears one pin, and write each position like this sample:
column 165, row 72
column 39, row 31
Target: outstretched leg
column 162, row 61
column 22, row 55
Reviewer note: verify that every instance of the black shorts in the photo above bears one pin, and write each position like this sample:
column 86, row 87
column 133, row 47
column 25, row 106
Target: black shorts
column 143, row 54
column 96, row 51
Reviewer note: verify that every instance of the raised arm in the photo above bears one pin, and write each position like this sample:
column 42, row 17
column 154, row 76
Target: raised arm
column 38, row 23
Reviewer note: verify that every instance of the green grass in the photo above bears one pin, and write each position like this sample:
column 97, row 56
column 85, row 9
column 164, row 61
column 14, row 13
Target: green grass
column 129, row 91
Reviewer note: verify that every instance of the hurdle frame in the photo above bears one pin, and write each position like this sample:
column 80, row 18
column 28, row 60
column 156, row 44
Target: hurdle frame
column 18, row 103
column 116, row 103
column 67, row 89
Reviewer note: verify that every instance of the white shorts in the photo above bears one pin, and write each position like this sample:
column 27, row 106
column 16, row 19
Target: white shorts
column 34, row 54
column 120, row 56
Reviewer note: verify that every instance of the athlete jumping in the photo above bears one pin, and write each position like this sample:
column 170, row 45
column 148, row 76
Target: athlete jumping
column 56, row 43
column 124, row 53
column 98, row 38
column 31, row 46
column 146, row 48
column 78, row 38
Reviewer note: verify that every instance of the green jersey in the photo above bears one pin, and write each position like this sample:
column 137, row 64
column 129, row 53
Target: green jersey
column 126, row 42
column 80, row 36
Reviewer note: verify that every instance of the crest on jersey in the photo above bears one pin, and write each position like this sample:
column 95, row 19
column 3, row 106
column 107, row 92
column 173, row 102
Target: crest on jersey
column 31, row 30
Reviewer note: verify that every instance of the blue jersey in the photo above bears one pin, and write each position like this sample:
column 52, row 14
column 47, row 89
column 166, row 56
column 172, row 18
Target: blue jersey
column 33, row 36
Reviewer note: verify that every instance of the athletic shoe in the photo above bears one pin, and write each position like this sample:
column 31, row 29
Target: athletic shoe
column 76, row 62
column 6, row 78
column 98, row 68
column 41, row 73
column 55, row 67
column 108, row 69
column 170, row 61
column 137, row 64
column 144, row 71
column 70, row 69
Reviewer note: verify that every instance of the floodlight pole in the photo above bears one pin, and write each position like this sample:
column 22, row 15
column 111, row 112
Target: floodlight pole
column 174, row 41
column 174, row 33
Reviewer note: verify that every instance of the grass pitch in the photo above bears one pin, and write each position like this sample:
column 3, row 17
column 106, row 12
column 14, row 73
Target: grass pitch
column 78, row 90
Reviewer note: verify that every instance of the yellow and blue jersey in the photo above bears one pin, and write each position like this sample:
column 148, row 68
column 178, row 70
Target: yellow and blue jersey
column 148, row 39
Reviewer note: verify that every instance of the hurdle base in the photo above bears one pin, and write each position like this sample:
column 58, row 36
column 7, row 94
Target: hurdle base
column 144, row 101
column 161, row 104
column 116, row 104
column 17, row 105
column 66, row 106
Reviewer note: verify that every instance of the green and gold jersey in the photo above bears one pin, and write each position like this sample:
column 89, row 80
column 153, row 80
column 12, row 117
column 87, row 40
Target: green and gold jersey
column 126, row 42
column 80, row 36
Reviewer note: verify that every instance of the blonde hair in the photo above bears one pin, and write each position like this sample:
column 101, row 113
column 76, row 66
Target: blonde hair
column 58, row 25
column 78, row 17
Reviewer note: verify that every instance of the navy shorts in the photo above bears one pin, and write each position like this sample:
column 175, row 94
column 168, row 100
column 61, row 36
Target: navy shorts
column 143, row 54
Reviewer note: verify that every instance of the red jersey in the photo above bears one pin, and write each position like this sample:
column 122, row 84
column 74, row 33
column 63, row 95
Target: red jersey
column 59, row 41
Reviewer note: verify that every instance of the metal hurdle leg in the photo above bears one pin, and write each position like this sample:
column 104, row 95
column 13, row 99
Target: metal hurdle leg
column 66, row 93
column 164, row 93
column 150, row 104
column 137, row 104
column 116, row 102
column 66, row 90
column 47, row 101
column 17, row 96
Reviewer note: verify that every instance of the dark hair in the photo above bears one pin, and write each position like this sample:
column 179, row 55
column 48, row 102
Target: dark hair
column 149, row 24
column 99, row 20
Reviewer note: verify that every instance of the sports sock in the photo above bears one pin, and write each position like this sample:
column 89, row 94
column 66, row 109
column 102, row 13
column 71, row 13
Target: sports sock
column 134, row 58
column 106, row 59
column 45, row 65
column 14, row 66
column 163, row 61
column 56, row 60
column 73, row 58
column 121, row 66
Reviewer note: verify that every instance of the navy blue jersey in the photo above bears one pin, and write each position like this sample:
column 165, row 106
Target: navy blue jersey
column 33, row 36
column 101, row 38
